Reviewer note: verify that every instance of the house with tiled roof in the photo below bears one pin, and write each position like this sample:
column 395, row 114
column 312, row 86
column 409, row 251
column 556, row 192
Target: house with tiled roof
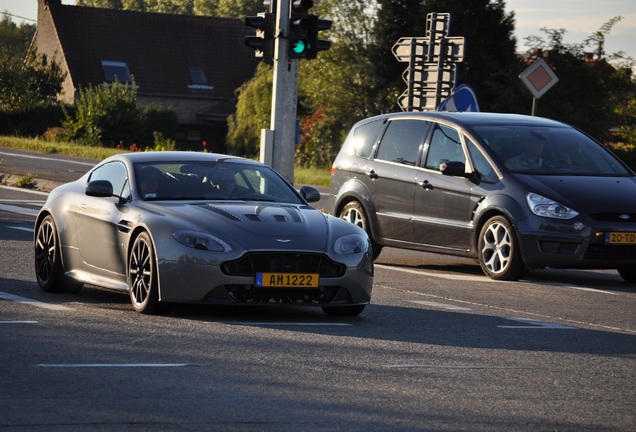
column 193, row 64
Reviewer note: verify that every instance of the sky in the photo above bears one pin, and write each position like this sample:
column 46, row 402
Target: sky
column 581, row 18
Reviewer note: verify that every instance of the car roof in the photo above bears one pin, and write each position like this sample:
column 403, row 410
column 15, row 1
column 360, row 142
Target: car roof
column 469, row 119
column 173, row 156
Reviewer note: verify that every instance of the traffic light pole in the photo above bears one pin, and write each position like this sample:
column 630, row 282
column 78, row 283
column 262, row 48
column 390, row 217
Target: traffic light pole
column 278, row 144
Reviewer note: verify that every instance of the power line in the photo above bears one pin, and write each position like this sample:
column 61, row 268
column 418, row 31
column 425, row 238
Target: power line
column 17, row 16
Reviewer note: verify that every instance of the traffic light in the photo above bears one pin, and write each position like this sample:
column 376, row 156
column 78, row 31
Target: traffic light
column 320, row 44
column 300, row 24
column 263, row 42
column 303, row 31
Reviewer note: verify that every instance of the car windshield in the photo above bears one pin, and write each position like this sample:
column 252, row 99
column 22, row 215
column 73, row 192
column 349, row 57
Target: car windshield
column 192, row 180
column 549, row 151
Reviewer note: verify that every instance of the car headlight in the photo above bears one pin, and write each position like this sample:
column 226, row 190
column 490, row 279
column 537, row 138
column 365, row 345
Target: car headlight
column 350, row 244
column 544, row 207
column 201, row 241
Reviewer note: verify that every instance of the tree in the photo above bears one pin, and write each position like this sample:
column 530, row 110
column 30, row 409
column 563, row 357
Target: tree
column 338, row 88
column 216, row 8
column 104, row 115
column 393, row 19
column 27, row 83
column 592, row 93
column 253, row 113
column 15, row 39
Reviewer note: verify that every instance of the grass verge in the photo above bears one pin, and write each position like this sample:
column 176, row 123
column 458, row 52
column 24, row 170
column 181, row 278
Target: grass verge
column 309, row 176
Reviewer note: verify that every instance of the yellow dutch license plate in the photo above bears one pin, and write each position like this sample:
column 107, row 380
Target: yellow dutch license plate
column 287, row 280
column 614, row 238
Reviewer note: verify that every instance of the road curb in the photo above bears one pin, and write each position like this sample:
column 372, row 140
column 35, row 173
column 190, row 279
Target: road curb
column 43, row 185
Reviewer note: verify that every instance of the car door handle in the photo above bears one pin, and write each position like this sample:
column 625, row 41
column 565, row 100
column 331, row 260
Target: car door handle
column 372, row 174
column 425, row 184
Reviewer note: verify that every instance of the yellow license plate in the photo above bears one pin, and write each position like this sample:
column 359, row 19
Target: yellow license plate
column 287, row 280
column 613, row 238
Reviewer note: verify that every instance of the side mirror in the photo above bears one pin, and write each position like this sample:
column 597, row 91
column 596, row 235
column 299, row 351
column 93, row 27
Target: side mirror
column 99, row 188
column 454, row 168
column 310, row 194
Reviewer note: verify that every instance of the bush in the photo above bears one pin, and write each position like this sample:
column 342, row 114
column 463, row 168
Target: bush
column 31, row 122
column 109, row 116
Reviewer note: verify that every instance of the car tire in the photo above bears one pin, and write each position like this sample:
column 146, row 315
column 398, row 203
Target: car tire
column 142, row 276
column 343, row 311
column 354, row 213
column 627, row 273
column 49, row 270
column 498, row 252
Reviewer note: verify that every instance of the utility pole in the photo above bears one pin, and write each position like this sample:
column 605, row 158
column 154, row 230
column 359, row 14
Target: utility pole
column 284, row 98
column 285, row 34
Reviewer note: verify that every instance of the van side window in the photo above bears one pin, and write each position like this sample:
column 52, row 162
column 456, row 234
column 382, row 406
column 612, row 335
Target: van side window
column 364, row 137
column 445, row 146
column 402, row 140
column 483, row 168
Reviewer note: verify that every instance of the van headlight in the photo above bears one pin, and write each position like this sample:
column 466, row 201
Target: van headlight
column 544, row 207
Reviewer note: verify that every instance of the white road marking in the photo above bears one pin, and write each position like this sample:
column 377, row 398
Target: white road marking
column 440, row 275
column 19, row 228
column 24, row 300
column 47, row 158
column 534, row 324
column 18, row 322
column 19, row 210
column 487, row 279
column 24, row 190
column 458, row 367
column 264, row 323
column 440, row 305
column 30, row 202
column 111, row 365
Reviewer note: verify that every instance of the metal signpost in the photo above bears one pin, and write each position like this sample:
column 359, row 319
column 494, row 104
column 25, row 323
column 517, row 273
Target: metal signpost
column 432, row 73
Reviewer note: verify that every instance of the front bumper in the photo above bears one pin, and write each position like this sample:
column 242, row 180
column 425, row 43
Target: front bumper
column 196, row 281
column 558, row 244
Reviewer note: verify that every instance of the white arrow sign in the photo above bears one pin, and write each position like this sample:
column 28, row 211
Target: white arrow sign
column 424, row 52
column 428, row 74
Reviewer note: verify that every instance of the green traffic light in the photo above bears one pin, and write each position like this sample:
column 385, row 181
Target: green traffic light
column 300, row 46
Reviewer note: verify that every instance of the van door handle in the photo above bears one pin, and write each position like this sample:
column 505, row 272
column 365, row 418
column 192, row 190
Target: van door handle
column 372, row 174
column 425, row 184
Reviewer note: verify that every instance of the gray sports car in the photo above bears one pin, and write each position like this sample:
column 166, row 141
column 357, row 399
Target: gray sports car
column 171, row 227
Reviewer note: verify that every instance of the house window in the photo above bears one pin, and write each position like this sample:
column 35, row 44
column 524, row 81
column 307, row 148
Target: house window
column 116, row 71
column 197, row 76
column 198, row 79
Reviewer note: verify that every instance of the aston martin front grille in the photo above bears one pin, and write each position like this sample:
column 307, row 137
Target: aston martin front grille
column 251, row 263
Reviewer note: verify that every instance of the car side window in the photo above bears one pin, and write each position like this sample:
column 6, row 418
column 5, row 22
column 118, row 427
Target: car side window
column 402, row 140
column 445, row 146
column 116, row 174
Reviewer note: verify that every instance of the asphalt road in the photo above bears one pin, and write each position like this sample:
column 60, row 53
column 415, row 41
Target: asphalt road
column 441, row 348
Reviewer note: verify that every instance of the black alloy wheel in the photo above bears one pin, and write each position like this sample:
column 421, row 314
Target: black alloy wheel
column 142, row 276
column 49, row 271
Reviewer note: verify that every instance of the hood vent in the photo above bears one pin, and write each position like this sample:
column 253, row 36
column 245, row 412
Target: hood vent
column 293, row 212
column 222, row 212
